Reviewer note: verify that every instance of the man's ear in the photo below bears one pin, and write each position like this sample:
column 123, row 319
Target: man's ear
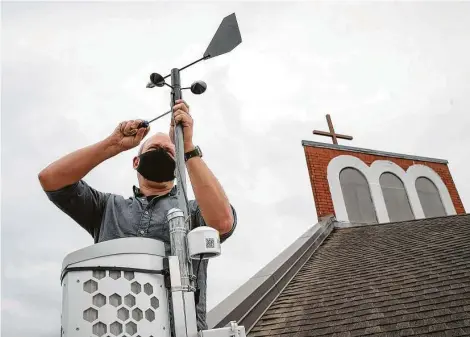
column 135, row 162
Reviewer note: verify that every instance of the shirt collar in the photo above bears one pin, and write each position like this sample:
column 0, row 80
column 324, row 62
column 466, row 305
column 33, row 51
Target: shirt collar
column 138, row 193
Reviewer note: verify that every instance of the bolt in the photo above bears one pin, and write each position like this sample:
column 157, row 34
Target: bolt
column 77, row 329
column 78, row 281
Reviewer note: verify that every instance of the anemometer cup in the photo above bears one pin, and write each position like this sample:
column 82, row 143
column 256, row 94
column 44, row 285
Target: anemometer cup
column 157, row 79
column 203, row 241
column 198, row 87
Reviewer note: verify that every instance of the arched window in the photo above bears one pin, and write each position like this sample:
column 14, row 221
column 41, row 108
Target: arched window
column 396, row 199
column 357, row 196
column 429, row 198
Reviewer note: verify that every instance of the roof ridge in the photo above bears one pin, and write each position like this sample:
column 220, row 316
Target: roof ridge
column 373, row 152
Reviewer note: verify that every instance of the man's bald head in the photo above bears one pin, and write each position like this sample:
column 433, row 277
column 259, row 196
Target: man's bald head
column 159, row 139
column 142, row 147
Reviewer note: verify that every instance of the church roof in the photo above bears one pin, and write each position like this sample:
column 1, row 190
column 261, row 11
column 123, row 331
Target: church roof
column 372, row 152
column 395, row 279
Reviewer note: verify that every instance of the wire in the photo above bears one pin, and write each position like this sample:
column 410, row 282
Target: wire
column 166, row 113
column 198, row 265
column 198, row 291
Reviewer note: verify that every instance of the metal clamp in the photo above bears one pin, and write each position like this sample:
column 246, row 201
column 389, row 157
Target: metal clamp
column 178, row 288
column 233, row 329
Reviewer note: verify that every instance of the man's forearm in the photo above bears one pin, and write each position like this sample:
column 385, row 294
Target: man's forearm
column 214, row 204
column 74, row 166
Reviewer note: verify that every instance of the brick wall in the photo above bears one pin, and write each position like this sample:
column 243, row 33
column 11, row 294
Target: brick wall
column 318, row 159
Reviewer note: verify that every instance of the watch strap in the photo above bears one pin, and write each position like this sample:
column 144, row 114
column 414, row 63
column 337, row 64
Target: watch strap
column 193, row 153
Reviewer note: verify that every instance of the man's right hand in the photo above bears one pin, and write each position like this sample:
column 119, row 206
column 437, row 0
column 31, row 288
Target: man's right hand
column 127, row 135
column 74, row 166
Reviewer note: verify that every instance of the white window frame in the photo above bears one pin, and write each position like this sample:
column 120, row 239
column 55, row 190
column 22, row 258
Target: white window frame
column 417, row 171
column 372, row 175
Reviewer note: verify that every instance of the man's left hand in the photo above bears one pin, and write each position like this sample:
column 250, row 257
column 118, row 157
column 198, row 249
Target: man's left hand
column 181, row 115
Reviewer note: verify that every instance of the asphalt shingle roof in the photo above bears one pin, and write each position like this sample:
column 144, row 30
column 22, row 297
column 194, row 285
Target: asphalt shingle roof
column 398, row 279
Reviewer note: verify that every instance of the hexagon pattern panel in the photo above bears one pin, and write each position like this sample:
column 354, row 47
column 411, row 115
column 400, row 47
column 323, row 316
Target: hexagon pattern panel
column 115, row 304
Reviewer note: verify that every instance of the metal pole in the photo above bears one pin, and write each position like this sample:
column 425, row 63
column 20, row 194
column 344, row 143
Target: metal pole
column 179, row 145
column 179, row 220
column 184, row 309
column 181, row 191
column 178, row 243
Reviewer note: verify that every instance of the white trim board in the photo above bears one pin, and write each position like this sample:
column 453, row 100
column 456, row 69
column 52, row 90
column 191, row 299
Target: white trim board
column 373, row 152
column 372, row 174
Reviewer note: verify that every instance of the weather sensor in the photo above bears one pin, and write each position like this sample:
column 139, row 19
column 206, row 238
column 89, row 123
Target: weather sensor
column 129, row 286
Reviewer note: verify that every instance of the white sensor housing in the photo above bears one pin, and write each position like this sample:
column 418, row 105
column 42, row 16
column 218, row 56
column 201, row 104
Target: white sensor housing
column 115, row 288
column 203, row 240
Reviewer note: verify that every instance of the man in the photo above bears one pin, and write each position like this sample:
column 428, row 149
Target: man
column 107, row 216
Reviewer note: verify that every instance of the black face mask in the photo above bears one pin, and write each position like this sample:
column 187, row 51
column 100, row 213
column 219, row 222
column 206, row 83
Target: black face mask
column 157, row 165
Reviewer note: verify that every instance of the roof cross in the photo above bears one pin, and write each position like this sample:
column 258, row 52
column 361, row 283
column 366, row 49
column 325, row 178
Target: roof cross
column 332, row 133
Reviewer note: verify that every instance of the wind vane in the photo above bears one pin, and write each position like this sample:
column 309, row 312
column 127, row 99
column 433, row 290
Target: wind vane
column 226, row 38
column 332, row 133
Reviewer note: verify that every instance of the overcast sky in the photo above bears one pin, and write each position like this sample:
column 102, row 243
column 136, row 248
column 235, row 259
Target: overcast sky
column 393, row 75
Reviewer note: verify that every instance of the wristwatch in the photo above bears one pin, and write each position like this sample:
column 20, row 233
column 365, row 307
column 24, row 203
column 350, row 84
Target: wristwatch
column 193, row 153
